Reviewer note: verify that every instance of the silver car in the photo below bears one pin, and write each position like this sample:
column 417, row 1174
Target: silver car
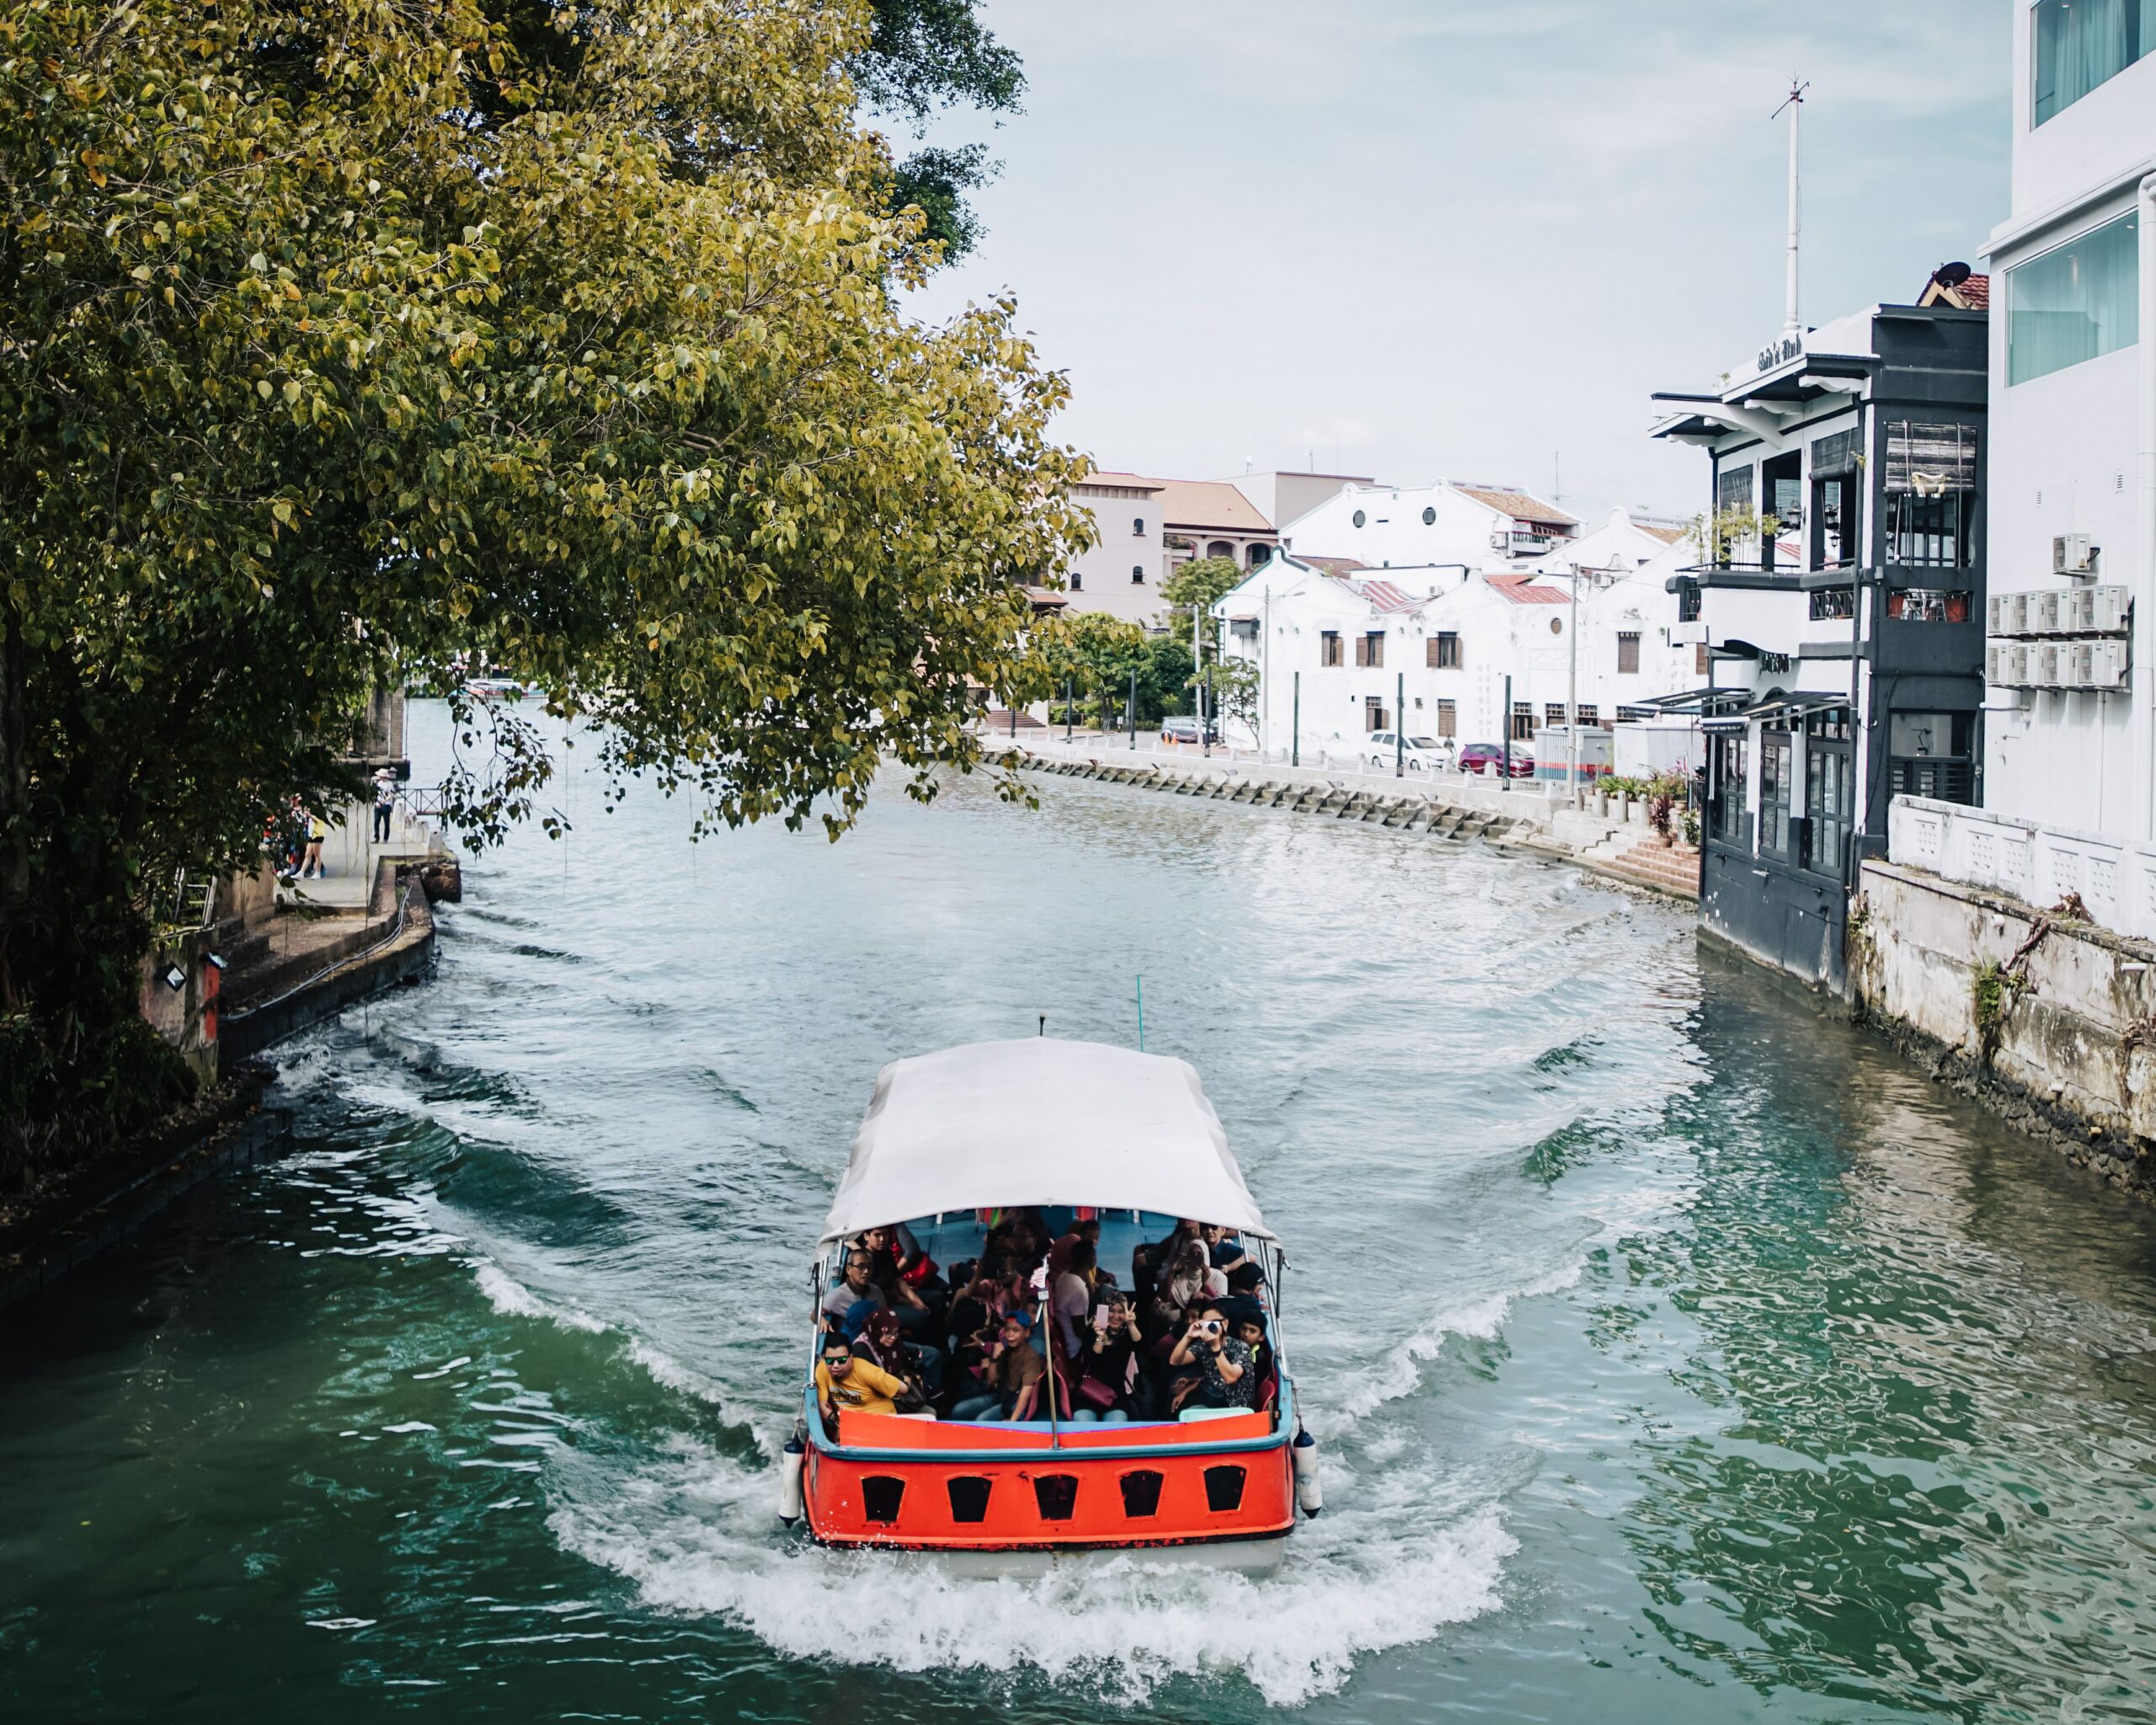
column 1382, row 751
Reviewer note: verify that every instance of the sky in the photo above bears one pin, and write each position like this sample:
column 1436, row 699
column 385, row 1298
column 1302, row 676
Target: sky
column 1425, row 239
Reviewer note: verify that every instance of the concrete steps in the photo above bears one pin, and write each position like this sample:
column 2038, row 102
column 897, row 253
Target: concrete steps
column 1674, row 869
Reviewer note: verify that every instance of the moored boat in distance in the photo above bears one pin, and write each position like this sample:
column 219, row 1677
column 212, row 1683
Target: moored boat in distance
column 972, row 1161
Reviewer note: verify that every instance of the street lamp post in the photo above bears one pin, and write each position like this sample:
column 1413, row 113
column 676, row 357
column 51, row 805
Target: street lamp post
column 1399, row 725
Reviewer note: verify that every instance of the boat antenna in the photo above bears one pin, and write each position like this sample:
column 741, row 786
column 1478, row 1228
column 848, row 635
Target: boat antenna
column 1141, row 1013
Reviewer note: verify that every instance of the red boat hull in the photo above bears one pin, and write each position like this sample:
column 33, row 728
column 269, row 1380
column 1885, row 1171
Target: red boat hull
column 920, row 1485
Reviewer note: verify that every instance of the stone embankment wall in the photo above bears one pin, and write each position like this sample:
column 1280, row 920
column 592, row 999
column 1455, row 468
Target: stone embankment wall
column 2048, row 1019
column 1615, row 840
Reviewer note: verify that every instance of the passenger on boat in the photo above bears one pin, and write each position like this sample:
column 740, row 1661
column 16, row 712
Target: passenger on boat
column 1218, row 1374
column 1109, row 1385
column 1151, row 1265
column 1059, row 1255
column 857, row 1284
column 1246, row 1324
column 884, row 1254
column 1011, row 1378
column 1223, row 1250
column 876, row 1339
column 844, row 1381
column 1071, row 1294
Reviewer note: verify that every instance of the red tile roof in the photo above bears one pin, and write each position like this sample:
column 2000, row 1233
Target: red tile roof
column 1521, row 590
column 1519, row 505
column 1384, row 597
column 1973, row 295
column 1333, row 565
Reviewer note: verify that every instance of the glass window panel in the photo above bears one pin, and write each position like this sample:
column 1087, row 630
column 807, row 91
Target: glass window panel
column 2080, row 43
column 2074, row 303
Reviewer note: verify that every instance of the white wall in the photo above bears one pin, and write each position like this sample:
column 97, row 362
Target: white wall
column 1394, row 534
column 2100, row 135
column 1104, row 572
column 2064, row 459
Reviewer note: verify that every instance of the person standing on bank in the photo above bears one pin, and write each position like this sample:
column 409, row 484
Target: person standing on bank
column 385, row 803
column 317, row 831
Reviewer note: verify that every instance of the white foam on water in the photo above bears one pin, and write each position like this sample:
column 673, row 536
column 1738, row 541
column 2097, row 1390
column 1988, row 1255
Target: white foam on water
column 1354, row 1398
column 512, row 1299
column 696, row 1534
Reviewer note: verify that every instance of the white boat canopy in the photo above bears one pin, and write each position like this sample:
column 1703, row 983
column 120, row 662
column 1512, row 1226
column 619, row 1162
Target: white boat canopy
column 1038, row 1121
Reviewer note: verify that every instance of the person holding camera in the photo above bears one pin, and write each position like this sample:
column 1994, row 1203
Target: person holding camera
column 1216, row 1367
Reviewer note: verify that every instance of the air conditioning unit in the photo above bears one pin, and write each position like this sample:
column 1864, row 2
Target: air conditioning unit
column 2044, row 667
column 1995, row 615
column 2074, row 665
column 2105, row 610
column 2014, row 616
column 1999, row 664
column 2110, row 666
column 2018, row 666
column 2046, row 613
column 2071, row 554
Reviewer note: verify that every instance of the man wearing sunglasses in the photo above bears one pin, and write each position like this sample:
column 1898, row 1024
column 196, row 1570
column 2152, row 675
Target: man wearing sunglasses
column 844, row 1381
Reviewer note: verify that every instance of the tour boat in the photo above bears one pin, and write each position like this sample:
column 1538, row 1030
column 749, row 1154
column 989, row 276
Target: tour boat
column 1067, row 1131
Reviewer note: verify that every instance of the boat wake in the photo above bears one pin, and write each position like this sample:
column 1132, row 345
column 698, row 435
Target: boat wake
column 693, row 1531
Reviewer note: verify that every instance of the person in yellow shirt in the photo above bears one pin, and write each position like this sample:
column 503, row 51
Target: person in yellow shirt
column 843, row 1381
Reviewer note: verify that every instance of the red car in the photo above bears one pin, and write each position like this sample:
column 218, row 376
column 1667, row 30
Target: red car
column 1489, row 760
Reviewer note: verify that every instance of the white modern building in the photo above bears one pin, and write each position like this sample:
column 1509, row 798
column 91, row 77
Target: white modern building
column 2070, row 729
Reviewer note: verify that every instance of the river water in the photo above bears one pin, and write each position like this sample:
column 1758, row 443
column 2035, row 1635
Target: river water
column 1675, row 1354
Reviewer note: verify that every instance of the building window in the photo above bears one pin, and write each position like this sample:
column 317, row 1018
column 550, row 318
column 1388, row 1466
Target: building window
column 1523, row 722
column 1700, row 657
column 1931, row 494
column 1553, row 713
column 2080, row 43
column 1447, row 718
column 1137, row 527
column 1688, row 600
column 1834, row 476
column 1328, row 647
column 1373, row 717
column 1360, row 518
column 1430, row 517
column 1928, row 605
column 1628, row 652
column 1727, row 755
column 1369, row 651
column 1827, row 799
column 1833, row 605
column 2074, row 303
column 1930, row 755
column 1441, row 652
column 1137, row 574
column 1783, row 479
column 1077, row 582
column 1776, row 758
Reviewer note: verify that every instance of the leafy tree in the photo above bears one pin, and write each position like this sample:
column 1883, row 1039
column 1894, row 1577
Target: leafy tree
column 1203, row 582
column 340, row 342
column 1231, row 690
column 1094, row 653
column 923, row 57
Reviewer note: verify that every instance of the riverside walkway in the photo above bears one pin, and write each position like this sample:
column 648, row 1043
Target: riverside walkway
column 1527, row 815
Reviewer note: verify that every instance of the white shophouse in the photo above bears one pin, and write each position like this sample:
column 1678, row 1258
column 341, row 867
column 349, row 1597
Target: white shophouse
column 2069, row 788
column 1466, row 528
column 1475, row 655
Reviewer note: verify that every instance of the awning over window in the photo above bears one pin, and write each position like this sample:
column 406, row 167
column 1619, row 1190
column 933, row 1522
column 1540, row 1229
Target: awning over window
column 1776, row 709
column 1693, row 701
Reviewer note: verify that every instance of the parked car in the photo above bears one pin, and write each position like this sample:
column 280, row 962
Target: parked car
column 1183, row 727
column 1488, row 759
column 1382, row 751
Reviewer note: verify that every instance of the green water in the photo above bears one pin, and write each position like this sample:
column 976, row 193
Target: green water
column 1675, row 1354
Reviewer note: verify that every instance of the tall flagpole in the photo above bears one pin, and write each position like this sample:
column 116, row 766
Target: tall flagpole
column 1792, row 323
